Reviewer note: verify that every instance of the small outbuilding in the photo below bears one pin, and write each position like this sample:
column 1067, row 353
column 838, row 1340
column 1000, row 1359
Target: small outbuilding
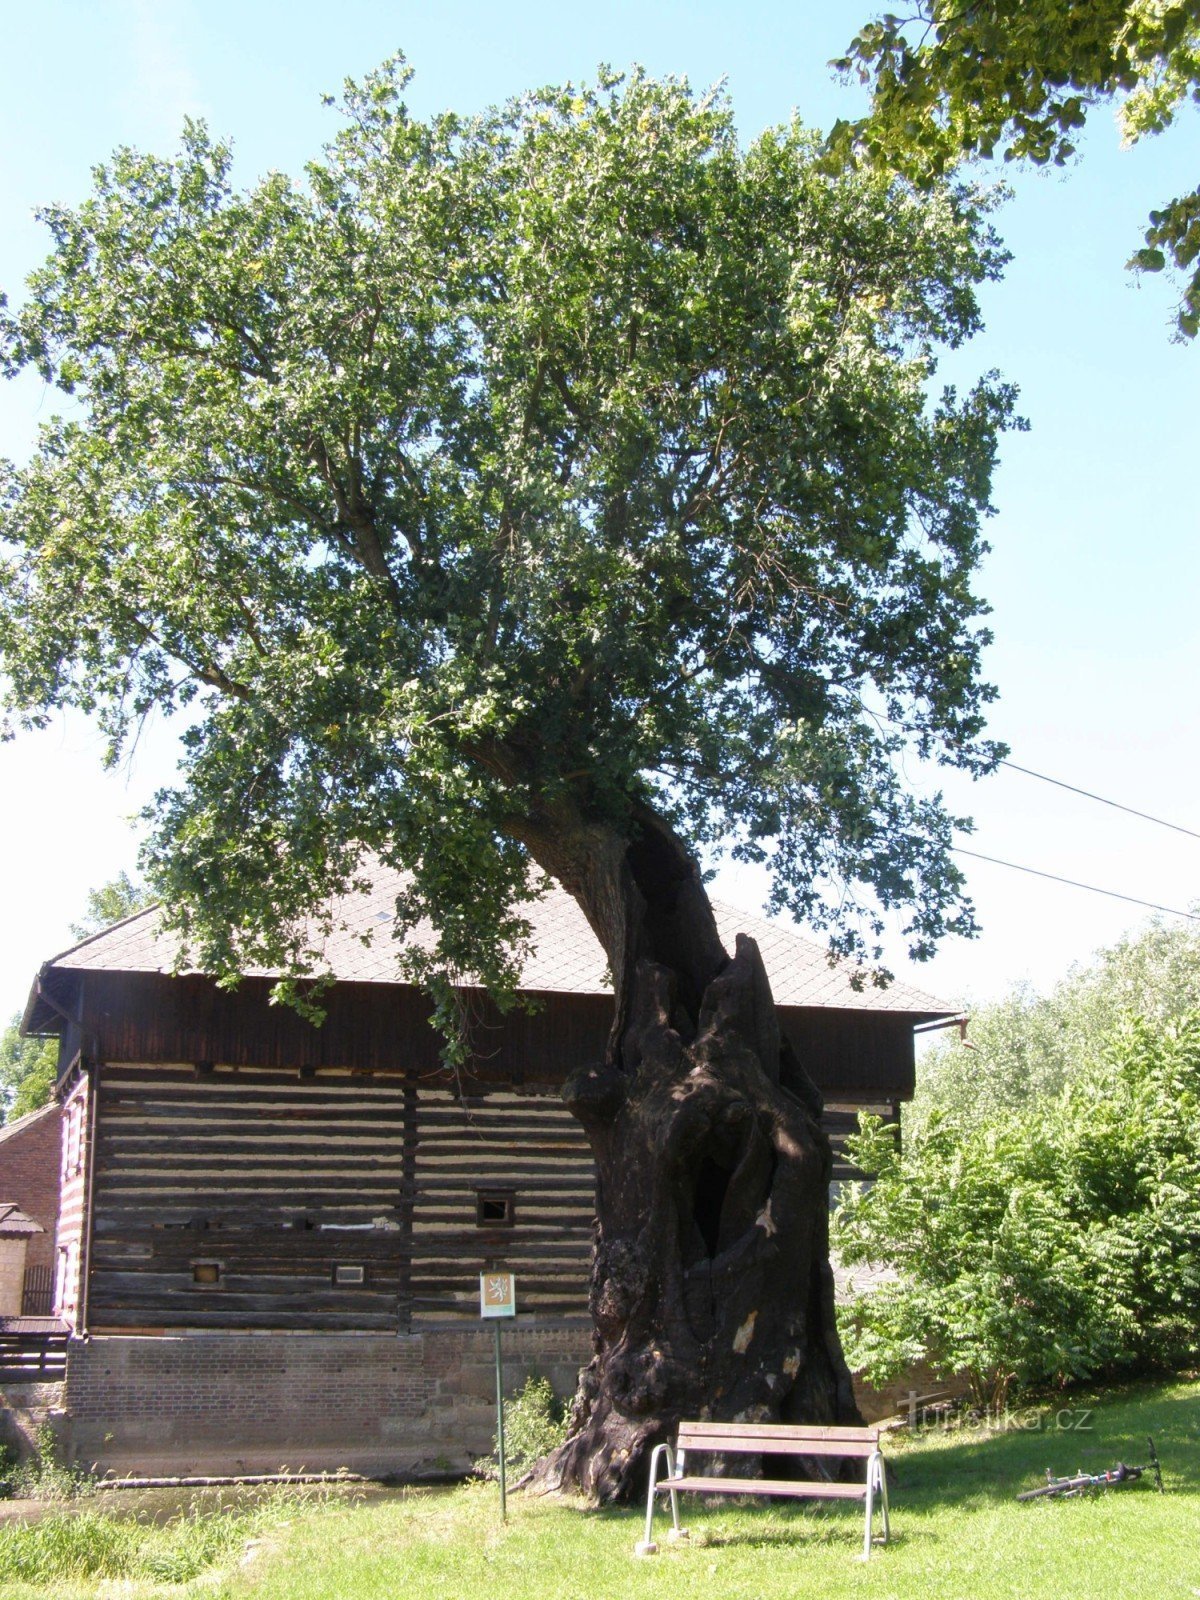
column 16, row 1230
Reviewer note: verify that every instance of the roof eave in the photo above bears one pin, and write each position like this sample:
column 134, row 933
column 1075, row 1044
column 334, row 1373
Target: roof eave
column 44, row 1015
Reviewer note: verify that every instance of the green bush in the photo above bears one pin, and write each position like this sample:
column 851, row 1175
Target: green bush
column 45, row 1476
column 1041, row 1243
column 535, row 1421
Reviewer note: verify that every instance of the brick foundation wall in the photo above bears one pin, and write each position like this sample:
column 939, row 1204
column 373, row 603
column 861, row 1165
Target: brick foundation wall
column 422, row 1404
column 216, row 1403
column 905, row 1395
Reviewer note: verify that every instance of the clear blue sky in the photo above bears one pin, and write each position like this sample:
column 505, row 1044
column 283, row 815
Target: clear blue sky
column 1096, row 561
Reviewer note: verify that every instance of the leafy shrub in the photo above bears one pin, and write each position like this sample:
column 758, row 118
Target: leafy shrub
column 45, row 1476
column 535, row 1421
column 1038, row 1244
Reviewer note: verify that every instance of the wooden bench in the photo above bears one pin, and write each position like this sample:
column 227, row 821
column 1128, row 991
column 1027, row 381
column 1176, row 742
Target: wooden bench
column 762, row 1439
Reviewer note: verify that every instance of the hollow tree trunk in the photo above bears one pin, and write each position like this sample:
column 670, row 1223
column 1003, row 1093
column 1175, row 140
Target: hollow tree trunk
column 711, row 1290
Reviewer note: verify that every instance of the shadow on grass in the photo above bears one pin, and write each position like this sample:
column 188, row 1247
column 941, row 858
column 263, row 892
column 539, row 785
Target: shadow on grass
column 722, row 1522
column 957, row 1466
column 804, row 1530
column 1084, row 1431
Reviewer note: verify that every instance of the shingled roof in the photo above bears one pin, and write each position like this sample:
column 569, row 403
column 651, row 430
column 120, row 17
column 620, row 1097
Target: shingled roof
column 566, row 956
column 14, row 1224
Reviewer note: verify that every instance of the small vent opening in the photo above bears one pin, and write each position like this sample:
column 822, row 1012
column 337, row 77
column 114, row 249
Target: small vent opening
column 495, row 1208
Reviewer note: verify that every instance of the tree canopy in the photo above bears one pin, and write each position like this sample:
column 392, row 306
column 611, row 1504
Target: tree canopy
column 1026, row 1048
column 569, row 459
column 27, row 1071
column 112, row 902
column 1021, row 75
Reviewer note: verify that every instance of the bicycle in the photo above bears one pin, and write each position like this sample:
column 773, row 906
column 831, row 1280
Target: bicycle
column 1067, row 1488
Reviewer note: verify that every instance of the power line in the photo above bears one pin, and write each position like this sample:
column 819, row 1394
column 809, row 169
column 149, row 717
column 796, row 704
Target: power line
column 1116, row 804
column 1075, row 884
column 1058, row 783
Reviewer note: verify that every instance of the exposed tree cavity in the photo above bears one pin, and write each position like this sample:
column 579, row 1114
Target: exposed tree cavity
column 712, row 1185
column 711, row 1291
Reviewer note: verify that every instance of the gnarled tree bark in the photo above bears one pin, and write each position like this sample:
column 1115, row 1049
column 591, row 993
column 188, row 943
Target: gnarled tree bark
column 711, row 1289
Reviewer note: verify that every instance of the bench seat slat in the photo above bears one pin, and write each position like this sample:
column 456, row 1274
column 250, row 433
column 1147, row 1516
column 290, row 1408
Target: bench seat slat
column 764, row 1444
column 779, row 1430
column 799, row 1488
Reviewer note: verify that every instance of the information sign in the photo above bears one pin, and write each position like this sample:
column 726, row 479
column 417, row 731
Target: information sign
column 497, row 1294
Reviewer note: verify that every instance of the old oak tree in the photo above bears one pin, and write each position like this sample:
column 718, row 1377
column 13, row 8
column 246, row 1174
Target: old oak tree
column 556, row 491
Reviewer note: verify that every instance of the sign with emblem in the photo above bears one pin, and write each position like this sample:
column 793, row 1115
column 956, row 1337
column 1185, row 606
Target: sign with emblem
column 497, row 1294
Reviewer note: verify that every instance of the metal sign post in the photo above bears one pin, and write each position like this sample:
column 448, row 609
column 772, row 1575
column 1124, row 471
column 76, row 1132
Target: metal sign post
column 498, row 1299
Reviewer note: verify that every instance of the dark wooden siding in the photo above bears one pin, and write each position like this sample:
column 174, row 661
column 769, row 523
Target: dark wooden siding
column 146, row 1016
column 840, row 1122
column 529, row 1147
column 860, row 1056
column 149, row 1017
column 296, row 1125
column 275, row 1180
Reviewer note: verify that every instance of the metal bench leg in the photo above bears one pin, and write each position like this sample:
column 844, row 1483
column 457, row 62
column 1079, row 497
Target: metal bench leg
column 647, row 1546
column 883, row 1495
column 876, row 1480
column 675, row 1464
column 866, row 1555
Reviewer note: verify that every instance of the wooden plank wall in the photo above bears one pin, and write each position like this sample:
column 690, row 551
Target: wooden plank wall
column 277, row 1178
column 505, row 1141
column 273, row 1178
column 147, row 1016
column 841, row 1120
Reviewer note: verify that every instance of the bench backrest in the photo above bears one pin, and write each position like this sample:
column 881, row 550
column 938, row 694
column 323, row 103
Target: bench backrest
column 777, row 1438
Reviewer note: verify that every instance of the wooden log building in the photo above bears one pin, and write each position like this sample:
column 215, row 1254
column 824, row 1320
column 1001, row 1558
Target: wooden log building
column 234, row 1177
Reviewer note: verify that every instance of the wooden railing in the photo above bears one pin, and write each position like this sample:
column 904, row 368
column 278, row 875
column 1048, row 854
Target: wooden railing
column 29, row 1357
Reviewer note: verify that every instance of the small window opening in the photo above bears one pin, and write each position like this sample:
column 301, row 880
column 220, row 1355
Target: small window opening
column 304, row 1224
column 495, row 1209
column 206, row 1272
column 347, row 1273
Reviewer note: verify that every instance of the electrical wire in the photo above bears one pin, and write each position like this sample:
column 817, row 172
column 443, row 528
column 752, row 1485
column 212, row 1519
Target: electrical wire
column 1074, row 883
column 1089, row 795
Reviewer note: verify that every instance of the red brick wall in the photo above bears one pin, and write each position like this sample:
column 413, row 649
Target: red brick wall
column 208, row 1403
column 193, row 1404
column 30, row 1161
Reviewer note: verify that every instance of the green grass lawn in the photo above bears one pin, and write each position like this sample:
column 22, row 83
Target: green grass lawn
column 958, row 1533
